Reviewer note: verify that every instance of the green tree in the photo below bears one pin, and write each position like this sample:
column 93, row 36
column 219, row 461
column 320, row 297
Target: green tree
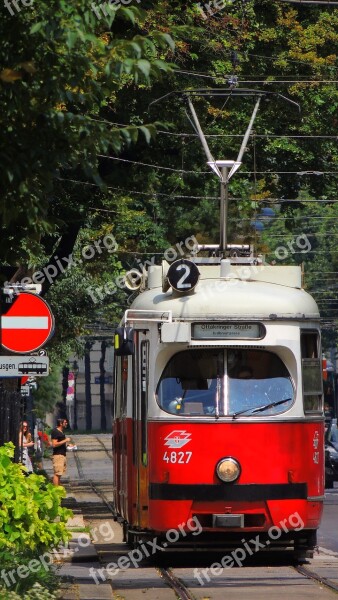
column 61, row 67
column 264, row 44
column 307, row 235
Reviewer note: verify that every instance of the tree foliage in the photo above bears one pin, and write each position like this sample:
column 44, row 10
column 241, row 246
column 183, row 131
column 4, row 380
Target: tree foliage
column 80, row 163
column 61, row 69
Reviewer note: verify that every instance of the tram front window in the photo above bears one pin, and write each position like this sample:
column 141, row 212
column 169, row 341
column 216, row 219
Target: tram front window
column 189, row 382
column 209, row 382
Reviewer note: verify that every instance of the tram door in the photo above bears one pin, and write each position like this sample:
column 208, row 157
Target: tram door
column 119, row 433
column 139, row 425
column 123, row 432
column 130, row 432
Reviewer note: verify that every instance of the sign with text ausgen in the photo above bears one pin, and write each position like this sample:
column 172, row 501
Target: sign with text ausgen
column 16, row 366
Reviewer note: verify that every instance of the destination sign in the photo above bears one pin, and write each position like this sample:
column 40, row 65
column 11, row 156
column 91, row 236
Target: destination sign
column 227, row 331
column 16, row 366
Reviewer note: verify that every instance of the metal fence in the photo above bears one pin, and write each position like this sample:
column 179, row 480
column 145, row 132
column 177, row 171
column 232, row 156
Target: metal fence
column 11, row 408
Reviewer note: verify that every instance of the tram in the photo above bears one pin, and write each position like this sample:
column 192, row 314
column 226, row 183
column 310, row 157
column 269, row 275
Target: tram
column 218, row 408
column 218, row 401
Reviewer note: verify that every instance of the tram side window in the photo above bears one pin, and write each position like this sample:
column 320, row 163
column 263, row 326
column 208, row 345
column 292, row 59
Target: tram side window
column 311, row 372
column 124, row 384
column 119, row 388
column 115, row 410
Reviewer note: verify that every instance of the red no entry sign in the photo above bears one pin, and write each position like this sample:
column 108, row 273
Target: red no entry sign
column 27, row 323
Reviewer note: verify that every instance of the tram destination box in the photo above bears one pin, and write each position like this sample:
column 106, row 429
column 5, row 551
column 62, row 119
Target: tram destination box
column 211, row 331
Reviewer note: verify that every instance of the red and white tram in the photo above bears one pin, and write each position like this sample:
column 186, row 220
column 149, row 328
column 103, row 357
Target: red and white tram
column 218, row 407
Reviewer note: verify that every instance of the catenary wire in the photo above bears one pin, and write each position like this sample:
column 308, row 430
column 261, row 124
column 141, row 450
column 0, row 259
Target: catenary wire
column 263, row 79
column 188, row 172
column 316, row 2
column 241, row 135
column 231, row 135
column 175, row 196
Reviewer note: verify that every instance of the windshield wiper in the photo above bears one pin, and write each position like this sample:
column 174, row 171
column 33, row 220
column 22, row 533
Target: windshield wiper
column 260, row 408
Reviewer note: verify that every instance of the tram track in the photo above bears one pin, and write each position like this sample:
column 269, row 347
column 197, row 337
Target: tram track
column 94, row 486
column 165, row 573
column 181, row 591
column 109, row 454
column 179, row 576
column 309, row 574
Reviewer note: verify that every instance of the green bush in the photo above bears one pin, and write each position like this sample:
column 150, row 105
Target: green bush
column 36, row 593
column 31, row 516
column 21, row 572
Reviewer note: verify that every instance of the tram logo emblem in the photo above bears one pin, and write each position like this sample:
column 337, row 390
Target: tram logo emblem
column 177, row 439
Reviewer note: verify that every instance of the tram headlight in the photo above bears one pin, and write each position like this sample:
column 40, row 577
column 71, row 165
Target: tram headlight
column 228, row 469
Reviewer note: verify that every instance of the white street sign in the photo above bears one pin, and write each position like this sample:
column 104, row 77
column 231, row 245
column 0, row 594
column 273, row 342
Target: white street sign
column 17, row 366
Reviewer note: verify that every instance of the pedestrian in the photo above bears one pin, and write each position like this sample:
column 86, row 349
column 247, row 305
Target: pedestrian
column 25, row 442
column 59, row 444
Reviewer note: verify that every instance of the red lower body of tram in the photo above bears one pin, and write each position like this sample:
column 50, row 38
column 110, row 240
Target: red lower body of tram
column 165, row 479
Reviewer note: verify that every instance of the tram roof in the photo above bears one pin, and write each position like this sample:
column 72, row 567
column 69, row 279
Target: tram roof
column 234, row 298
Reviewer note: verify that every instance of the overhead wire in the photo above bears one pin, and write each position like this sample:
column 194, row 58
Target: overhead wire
column 246, row 54
column 260, row 79
column 191, row 197
column 241, row 135
column 280, row 81
column 231, row 135
column 161, row 167
column 307, row 233
column 316, row 2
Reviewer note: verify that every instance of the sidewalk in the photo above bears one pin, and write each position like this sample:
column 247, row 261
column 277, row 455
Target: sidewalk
column 74, row 567
column 74, row 563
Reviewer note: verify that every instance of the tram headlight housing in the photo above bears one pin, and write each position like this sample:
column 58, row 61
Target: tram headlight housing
column 228, row 469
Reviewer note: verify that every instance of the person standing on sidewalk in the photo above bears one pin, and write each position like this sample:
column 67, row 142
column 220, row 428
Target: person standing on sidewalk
column 59, row 444
column 25, row 442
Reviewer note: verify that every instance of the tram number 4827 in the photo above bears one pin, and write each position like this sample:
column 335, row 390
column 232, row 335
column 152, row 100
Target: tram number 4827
column 177, row 457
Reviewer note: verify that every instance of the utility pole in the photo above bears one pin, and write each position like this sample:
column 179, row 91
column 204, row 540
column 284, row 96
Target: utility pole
column 224, row 209
column 224, row 169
